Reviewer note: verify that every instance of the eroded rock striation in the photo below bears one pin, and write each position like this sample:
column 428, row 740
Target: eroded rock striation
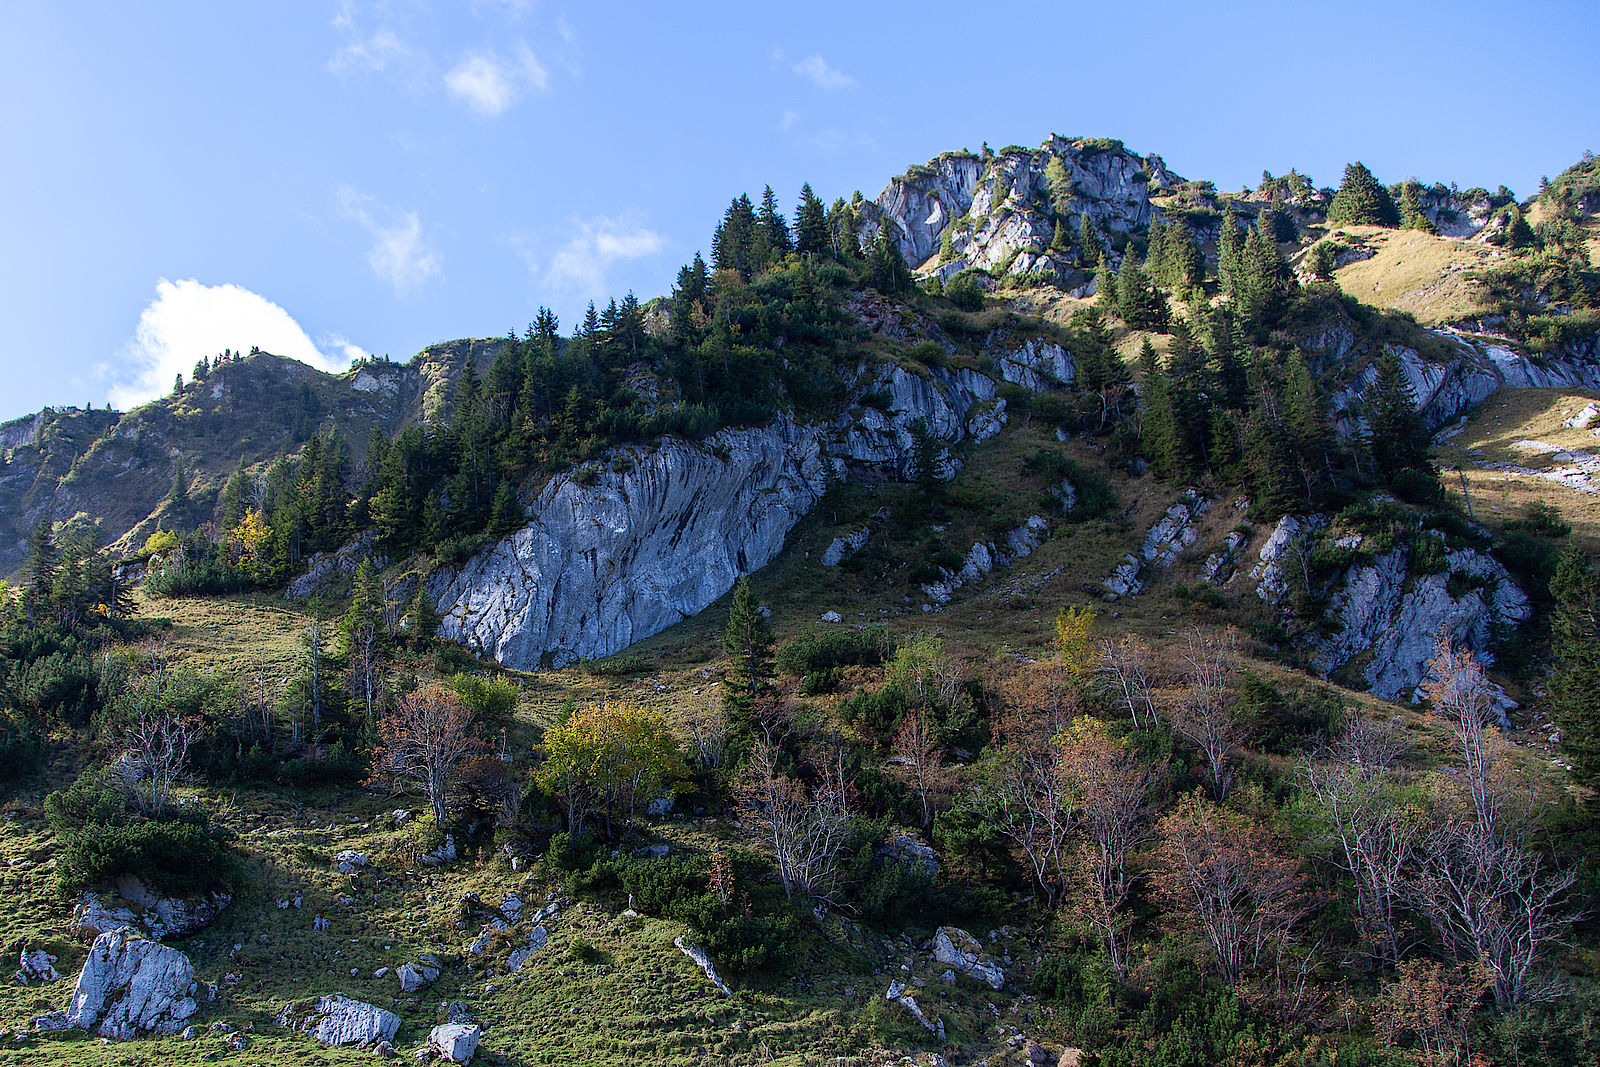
column 131, row 986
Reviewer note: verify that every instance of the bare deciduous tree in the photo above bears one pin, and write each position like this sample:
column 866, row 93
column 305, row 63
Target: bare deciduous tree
column 1490, row 894
column 1028, row 800
column 157, row 742
column 1232, row 881
column 708, row 730
column 1109, row 782
column 1374, row 841
column 424, row 739
column 806, row 828
column 1205, row 714
column 919, row 752
column 1128, row 664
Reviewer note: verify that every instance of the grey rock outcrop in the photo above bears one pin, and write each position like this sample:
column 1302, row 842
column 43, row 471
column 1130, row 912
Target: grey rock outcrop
column 519, row 957
column 328, row 568
column 340, row 1020
column 702, row 960
column 844, row 546
column 995, row 211
column 907, row 850
column 455, row 1042
column 616, row 553
column 962, row 952
column 1173, row 534
column 131, row 986
column 608, row 563
column 135, row 905
column 1279, row 553
column 1396, row 616
column 1445, row 391
column 1036, row 364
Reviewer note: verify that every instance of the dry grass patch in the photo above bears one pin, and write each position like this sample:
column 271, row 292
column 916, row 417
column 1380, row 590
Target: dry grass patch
column 1416, row 272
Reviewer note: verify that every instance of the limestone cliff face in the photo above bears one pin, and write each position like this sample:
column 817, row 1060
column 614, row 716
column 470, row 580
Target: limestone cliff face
column 616, row 552
column 1000, row 211
column 604, row 564
column 1449, row 389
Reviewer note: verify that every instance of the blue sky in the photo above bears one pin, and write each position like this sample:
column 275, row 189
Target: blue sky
column 327, row 178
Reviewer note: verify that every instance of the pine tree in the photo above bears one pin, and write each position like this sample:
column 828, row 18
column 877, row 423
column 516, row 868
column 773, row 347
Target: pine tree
column 230, row 506
column 1412, row 217
column 771, row 241
column 1139, row 302
column 810, row 223
column 1230, row 251
column 1185, row 263
column 1091, row 248
column 39, row 573
column 1305, row 421
column 1575, row 644
column 1105, row 287
column 1158, row 426
column 1396, row 436
column 747, row 640
column 505, row 514
column 1361, row 201
column 733, row 245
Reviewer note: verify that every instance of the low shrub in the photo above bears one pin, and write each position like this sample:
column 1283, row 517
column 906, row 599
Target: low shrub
column 822, row 650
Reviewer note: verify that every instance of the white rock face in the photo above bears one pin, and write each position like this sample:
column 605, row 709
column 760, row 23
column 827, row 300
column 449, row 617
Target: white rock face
column 456, row 1042
column 1398, row 621
column 519, row 958
column 338, row 1020
column 1445, row 391
column 131, row 986
column 36, row 966
column 1172, row 535
column 844, row 546
column 607, row 564
column 992, row 211
column 350, row 861
column 963, row 952
column 1037, row 365
column 1270, row 575
column 703, row 960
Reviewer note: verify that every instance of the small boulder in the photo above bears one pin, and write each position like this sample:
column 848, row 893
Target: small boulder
column 418, row 975
column 832, row 616
column 445, row 853
column 350, row 861
column 456, row 1042
column 962, row 952
column 131, row 986
column 338, row 1020
column 37, row 966
column 520, row 957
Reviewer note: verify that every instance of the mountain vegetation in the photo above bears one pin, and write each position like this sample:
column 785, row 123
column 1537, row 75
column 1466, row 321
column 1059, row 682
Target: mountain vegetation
column 1308, row 779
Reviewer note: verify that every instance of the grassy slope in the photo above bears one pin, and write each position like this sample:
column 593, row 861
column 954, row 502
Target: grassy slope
column 1415, row 272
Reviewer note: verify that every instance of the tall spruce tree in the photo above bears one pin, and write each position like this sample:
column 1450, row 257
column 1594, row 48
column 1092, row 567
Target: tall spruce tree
column 1575, row 645
column 1396, row 437
column 747, row 641
column 1361, row 201
column 1412, row 217
column 810, row 223
column 772, row 241
column 1159, row 438
column 1230, row 250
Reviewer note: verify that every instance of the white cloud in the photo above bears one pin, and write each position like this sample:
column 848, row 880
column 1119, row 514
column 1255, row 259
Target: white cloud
column 188, row 320
column 400, row 255
column 489, row 84
column 786, row 123
column 822, row 75
column 383, row 51
column 581, row 264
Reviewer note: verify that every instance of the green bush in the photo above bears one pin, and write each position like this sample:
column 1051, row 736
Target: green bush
column 101, row 839
column 822, row 650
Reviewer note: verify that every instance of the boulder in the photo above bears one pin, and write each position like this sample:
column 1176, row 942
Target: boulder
column 445, row 853
column 418, row 975
column 520, row 956
column 350, row 861
column 456, row 1042
column 131, row 986
column 338, row 1020
column 963, row 953
column 36, row 966
column 903, row 848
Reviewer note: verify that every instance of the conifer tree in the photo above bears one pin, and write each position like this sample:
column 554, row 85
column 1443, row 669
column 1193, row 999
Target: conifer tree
column 810, row 223
column 747, row 640
column 1139, row 302
column 1158, row 427
column 1306, row 422
column 39, row 573
column 1412, row 217
column 733, row 244
column 1185, row 264
column 1361, row 201
column 1396, row 437
column 1105, row 287
column 771, row 241
column 1091, row 247
column 1230, row 251
column 1575, row 644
